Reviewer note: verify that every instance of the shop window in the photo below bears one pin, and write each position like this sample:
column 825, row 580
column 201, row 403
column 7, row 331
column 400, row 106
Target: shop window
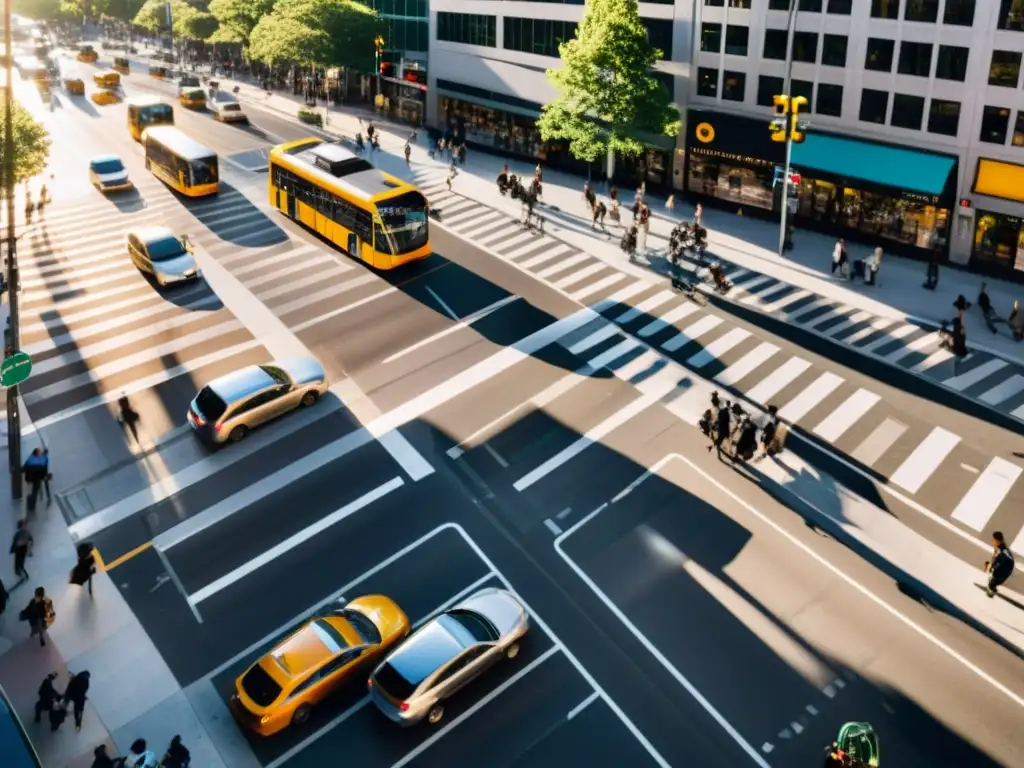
column 538, row 36
column 879, row 55
column 768, row 88
column 926, row 11
column 711, row 37
column 1004, row 70
column 1011, row 15
column 736, row 40
column 830, row 100
column 707, row 82
column 915, row 59
column 944, row 117
column 833, row 51
column 810, row 6
column 774, row 44
column 999, row 239
column 873, row 106
column 840, row 7
column 732, row 181
column 995, row 122
column 659, row 35
column 805, row 46
column 885, row 9
column 483, row 93
column 468, row 28
column 1018, row 130
column 907, row 111
column 803, row 88
column 734, row 86
column 959, row 13
column 951, row 63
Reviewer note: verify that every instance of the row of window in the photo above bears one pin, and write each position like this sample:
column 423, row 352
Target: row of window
column 409, row 8
column 326, row 203
column 468, row 28
column 540, row 36
column 955, row 12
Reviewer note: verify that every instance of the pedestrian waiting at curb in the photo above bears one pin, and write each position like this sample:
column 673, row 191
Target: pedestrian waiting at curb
column 39, row 614
column 177, row 755
column 21, row 548
column 1001, row 566
column 49, row 696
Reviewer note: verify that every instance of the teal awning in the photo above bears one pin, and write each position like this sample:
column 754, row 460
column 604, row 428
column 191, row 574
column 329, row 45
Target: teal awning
column 877, row 163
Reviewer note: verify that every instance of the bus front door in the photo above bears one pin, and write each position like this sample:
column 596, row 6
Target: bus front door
column 353, row 246
column 291, row 204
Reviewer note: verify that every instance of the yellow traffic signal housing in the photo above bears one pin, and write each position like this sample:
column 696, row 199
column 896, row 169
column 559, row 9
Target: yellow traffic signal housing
column 778, row 128
column 782, row 105
column 796, row 102
column 794, row 128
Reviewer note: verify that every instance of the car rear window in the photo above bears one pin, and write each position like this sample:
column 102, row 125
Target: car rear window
column 210, row 405
column 260, row 687
column 393, row 683
column 108, row 166
column 232, row 108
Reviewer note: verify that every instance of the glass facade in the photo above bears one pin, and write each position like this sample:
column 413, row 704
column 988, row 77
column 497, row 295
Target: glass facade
column 468, row 28
column 733, row 178
column 486, row 127
column 998, row 243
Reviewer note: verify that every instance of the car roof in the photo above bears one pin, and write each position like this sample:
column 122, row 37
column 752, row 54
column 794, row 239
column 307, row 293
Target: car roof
column 429, row 648
column 152, row 234
column 104, row 159
column 241, row 383
column 310, row 647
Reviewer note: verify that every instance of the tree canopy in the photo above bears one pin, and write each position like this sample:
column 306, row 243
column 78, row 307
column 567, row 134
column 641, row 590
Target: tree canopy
column 608, row 97
column 122, row 10
column 31, row 145
column 238, row 18
column 331, row 33
column 189, row 23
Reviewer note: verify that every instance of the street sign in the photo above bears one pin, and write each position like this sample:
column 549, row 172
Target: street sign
column 15, row 368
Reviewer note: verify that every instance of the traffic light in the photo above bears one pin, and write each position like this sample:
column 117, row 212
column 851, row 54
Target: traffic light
column 781, row 105
column 779, row 124
column 795, row 134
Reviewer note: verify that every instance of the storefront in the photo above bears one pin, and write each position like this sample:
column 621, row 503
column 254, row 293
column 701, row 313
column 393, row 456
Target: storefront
column 998, row 243
column 869, row 192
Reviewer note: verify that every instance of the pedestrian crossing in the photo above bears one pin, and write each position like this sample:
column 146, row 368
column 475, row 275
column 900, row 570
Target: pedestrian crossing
column 929, row 463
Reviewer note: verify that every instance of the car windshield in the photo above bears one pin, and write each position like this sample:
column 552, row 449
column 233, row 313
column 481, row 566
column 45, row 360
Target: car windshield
column 157, row 114
column 189, row 82
column 210, row 404
column 260, row 687
column 195, row 95
column 476, row 625
column 204, row 171
column 164, row 248
column 365, row 628
column 107, row 166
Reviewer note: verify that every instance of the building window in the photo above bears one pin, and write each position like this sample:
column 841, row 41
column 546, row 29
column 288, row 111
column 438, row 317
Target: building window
column 707, row 82
column 999, row 240
column 1011, row 15
column 952, row 63
column 885, row 9
column 768, row 88
column 944, row 117
column 926, row 11
column 907, row 111
column 803, row 88
column 468, row 28
column 714, row 3
column 711, row 37
column 778, row 5
column 1018, row 130
column 538, row 36
column 810, row 6
column 830, row 100
column 915, row 59
column 805, row 46
column 774, row 44
column 734, row 86
column 1004, row 70
column 833, row 51
column 959, row 13
column 879, row 56
column 995, row 122
column 840, row 7
column 873, row 106
column 742, row 4
column 659, row 35
column 736, row 40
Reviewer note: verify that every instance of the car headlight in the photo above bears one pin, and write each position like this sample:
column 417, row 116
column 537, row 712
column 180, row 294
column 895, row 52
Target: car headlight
column 190, row 273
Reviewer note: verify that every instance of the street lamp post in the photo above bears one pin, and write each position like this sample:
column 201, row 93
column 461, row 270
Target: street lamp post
column 787, row 84
column 12, row 341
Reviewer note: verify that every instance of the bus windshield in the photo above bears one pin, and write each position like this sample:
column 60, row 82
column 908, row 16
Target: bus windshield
column 156, row 114
column 204, row 171
column 404, row 221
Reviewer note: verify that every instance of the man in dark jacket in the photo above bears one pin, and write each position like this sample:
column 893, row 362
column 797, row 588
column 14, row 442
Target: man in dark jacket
column 76, row 692
column 48, row 696
column 1000, row 566
column 37, row 614
column 36, row 469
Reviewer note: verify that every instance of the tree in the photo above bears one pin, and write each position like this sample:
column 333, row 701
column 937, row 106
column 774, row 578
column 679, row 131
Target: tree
column 330, row 33
column 40, row 10
column 608, row 98
column 152, row 16
column 123, row 10
column 31, row 145
column 197, row 25
column 78, row 9
column 238, row 18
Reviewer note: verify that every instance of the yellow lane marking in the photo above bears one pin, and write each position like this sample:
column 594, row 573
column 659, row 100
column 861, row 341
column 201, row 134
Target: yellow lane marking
column 123, row 558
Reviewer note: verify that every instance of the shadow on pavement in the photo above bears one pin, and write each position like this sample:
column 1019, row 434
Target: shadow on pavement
column 82, row 104
column 238, row 227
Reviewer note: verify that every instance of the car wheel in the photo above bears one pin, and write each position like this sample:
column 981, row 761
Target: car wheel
column 302, row 714
column 309, row 399
column 238, row 433
column 512, row 651
column 435, row 714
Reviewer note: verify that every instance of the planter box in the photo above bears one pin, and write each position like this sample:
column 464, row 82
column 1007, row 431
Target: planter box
column 311, row 117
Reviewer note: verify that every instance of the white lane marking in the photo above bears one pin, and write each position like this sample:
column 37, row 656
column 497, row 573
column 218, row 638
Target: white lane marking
column 841, row 311
column 760, row 283
column 320, row 277
column 69, row 318
column 315, row 262
column 582, row 705
column 986, row 494
column 518, row 253
column 1004, row 391
column 806, row 309
column 648, row 362
column 506, row 243
column 443, row 304
column 888, row 337
column 468, row 321
column 778, row 380
column 920, row 344
column 746, row 364
column 553, row 526
column 623, row 295
column 785, row 301
column 692, row 332
column 308, row 254
column 424, row 745
column 600, row 285
column 173, row 576
column 611, row 355
column 580, row 275
column 938, row 357
column 293, row 541
column 874, row 326
column 838, row 328
column 646, row 306
column 846, row 415
column 975, row 375
column 925, row 459
column 718, row 347
column 969, row 468
column 545, row 256
column 307, row 324
column 496, row 456
column 561, row 266
column 1018, row 412
column 592, row 340
column 813, row 394
column 680, row 312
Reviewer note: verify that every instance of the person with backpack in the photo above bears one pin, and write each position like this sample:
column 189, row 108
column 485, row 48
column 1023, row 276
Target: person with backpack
column 36, row 469
column 140, row 757
column 39, row 614
column 1001, row 566
column 84, row 569
column 177, row 755
column 49, row 696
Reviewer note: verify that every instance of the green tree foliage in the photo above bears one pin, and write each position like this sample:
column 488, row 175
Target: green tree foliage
column 238, row 18
column 40, row 10
column 152, row 16
column 31, row 145
column 90, row 9
column 123, row 10
column 197, row 25
column 608, row 98
column 331, row 33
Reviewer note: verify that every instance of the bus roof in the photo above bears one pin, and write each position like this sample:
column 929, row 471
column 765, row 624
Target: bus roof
column 146, row 101
column 179, row 143
column 334, row 166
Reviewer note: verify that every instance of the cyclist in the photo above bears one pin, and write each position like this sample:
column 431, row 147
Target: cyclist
column 856, row 746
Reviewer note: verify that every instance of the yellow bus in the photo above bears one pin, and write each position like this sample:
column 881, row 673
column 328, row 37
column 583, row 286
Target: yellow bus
column 148, row 112
column 181, row 163
column 371, row 215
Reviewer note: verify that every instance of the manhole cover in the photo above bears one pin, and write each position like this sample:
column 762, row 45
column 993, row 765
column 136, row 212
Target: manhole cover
column 254, row 160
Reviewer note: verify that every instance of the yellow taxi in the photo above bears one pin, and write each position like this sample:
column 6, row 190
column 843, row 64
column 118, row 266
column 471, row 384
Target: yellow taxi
column 74, row 86
column 193, row 98
column 87, row 54
column 122, row 65
column 107, row 79
column 104, row 98
column 282, row 688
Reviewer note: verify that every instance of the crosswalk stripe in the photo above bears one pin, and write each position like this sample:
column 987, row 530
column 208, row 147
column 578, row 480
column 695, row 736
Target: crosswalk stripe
column 976, row 375
column 600, row 285
column 925, row 459
column 580, row 275
column 684, row 310
column 563, row 265
column 809, row 308
column 293, row 256
column 889, row 336
column 746, row 364
column 718, row 347
column 881, row 439
column 540, row 258
column 621, row 296
column 919, row 344
column 986, row 494
column 319, row 277
column 611, row 355
column 813, row 394
column 327, row 292
column 645, row 307
column 838, row 328
column 507, row 242
column 691, row 333
column 938, row 357
column 778, row 380
column 647, row 363
column 846, row 415
column 785, row 301
column 522, row 250
column 1004, row 391
column 873, row 327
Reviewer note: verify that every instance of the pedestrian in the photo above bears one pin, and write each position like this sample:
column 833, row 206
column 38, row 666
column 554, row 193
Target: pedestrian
column 48, row 477
column 746, row 445
column 538, row 173
column 35, row 470
column 451, row 175
column 408, row 152
column 874, row 264
column 177, row 755
column 670, row 204
column 21, row 548
column 139, row 756
column 48, row 696
column 75, row 694
column 29, row 205
column 721, row 427
column 100, row 759
column 84, row 569
column 698, row 216
column 931, row 279
column 462, row 153
column 599, row 213
column 837, row 255
column 1000, row 566
column 39, row 614
column 58, row 714
column 645, row 228
column 768, row 430
column 589, row 197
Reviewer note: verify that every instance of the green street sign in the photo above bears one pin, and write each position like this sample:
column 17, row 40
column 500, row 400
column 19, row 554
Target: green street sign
column 15, row 369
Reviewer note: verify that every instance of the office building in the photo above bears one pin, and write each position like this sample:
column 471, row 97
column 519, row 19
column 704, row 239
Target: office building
column 403, row 75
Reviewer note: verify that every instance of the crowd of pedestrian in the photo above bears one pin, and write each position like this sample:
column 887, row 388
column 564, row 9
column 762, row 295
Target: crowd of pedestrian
column 734, row 433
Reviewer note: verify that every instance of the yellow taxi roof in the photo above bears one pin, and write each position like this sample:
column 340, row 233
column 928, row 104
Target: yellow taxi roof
column 317, row 642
